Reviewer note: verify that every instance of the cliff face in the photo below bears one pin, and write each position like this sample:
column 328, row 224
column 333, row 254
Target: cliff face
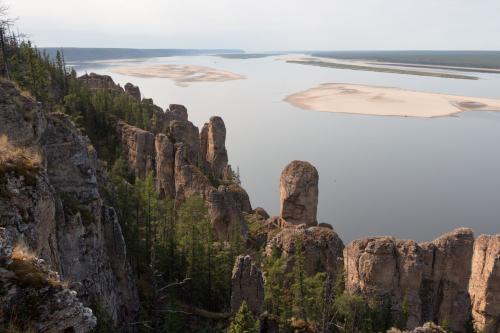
column 247, row 284
column 424, row 276
column 484, row 285
column 183, row 161
column 53, row 207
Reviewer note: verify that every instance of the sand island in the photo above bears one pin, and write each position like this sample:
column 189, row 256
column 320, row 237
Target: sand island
column 386, row 101
column 182, row 75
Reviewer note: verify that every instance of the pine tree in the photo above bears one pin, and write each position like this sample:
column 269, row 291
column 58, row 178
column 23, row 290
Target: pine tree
column 243, row 322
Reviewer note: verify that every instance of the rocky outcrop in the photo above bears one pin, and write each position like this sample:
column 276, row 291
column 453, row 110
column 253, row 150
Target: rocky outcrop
column 299, row 193
column 139, row 148
column 179, row 111
column 165, row 166
column 224, row 206
column 321, row 247
column 213, row 146
column 51, row 205
column 133, row 91
column 33, row 297
column 424, row 276
column 247, row 284
column 484, row 285
column 185, row 132
column 100, row 82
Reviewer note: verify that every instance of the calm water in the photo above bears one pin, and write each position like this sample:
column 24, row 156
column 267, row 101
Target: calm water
column 405, row 177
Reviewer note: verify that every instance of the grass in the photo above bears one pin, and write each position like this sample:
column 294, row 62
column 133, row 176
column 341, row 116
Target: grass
column 28, row 272
column 20, row 161
column 381, row 69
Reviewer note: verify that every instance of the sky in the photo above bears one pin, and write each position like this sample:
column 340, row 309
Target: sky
column 262, row 25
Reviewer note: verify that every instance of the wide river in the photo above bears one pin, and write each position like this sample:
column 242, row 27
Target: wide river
column 412, row 178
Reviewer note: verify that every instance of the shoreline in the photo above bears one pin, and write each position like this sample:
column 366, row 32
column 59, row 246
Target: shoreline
column 386, row 101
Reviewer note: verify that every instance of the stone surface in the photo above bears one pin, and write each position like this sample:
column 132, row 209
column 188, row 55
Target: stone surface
column 213, row 146
column 299, row 193
column 322, row 248
column 181, row 131
column 484, row 285
column 247, row 284
column 224, row 206
column 138, row 147
column 54, row 210
column 424, row 275
column 179, row 111
column 34, row 295
column 165, row 166
column 100, row 82
column 133, row 91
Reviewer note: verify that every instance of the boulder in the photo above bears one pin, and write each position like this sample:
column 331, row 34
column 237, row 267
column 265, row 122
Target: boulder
column 484, row 285
column 299, row 193
column 247, row 284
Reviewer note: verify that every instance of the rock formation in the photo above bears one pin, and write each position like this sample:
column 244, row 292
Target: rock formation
column 50, row 204
column 33, row 296
column 425, row 276
column 165, row 166
column 133, row 91
column 484, row 285
column 179, row 111
column 224, row 204
column 299, row 193
column 182, row 131
column 247, row 284
column 213, row 146
column 138, row 147
column 100, row 82
column 322, row 248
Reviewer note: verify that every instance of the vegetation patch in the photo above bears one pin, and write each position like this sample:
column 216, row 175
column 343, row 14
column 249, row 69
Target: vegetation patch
column 19, row 161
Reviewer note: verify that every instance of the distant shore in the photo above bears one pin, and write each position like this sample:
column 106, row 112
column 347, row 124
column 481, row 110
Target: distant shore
column 360, row 65
column 386, row 101
column 182, row 75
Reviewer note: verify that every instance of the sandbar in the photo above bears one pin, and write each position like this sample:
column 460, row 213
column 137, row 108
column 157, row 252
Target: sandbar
column 386, row 101
column 182, row 75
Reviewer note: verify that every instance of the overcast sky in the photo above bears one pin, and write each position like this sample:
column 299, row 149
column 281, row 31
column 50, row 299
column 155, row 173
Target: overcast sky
column 262, row 24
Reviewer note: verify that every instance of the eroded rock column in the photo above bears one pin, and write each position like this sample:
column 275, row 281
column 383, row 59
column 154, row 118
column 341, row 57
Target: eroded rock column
column 299, row 193
column 484, row 285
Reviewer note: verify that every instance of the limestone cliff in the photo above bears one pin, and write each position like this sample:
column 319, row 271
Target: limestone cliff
column 425, row 276
column 50, row 204
column 484, row 285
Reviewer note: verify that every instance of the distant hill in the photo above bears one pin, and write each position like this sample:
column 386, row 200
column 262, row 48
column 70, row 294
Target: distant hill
column 89, row 54
column 476, row 59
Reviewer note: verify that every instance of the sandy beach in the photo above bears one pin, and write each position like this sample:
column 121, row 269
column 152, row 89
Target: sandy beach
column 182, row 75
column 386, row 101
